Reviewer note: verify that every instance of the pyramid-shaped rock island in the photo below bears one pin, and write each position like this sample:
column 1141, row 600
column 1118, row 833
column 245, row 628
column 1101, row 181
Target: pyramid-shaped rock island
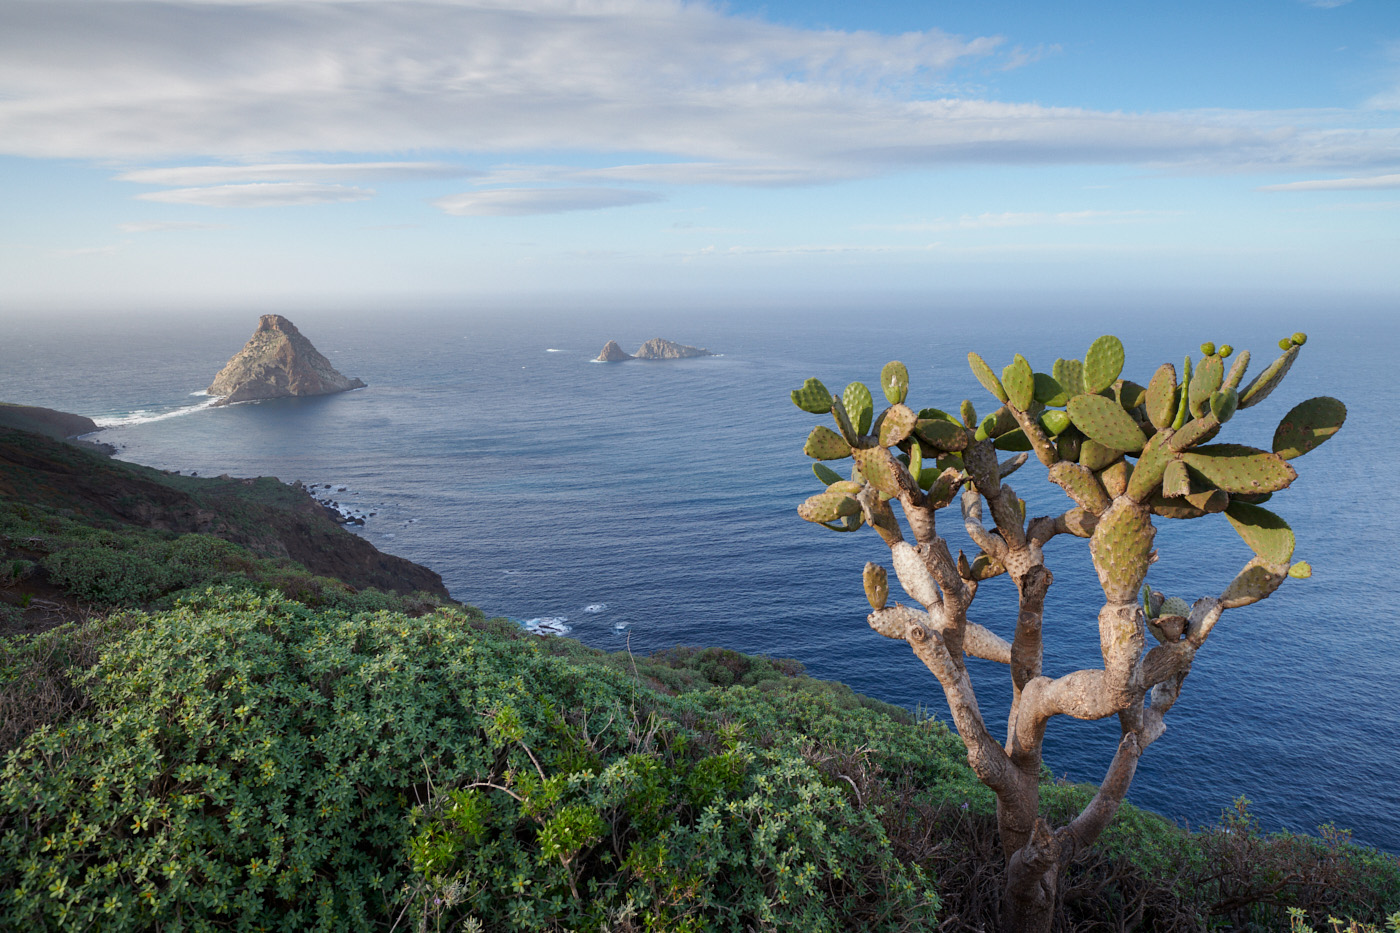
column 276, row 363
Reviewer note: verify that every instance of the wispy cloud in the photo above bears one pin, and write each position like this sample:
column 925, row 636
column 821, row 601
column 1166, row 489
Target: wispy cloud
column 161, row 226
column 520, row 201
column 1003, row 220
column 190, row 175
column 272, row 194
column 1326, row 4
column 1373, row 183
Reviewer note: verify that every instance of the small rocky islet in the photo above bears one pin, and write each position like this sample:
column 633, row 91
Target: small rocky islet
column 654, row 349
column 277, row 362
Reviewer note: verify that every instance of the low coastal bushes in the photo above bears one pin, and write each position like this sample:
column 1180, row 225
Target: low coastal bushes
column 245, row 761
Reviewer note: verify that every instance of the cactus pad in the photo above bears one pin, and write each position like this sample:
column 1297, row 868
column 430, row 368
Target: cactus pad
column 1236, row 374
column 1302, row 570
column 812, row 397
column 1208, row 501
column 984, row 375
column 968, row 413
column 896, row 424
column 1122, row 547
column 846, row 523
column 1223, row 404
column 1049, row 392
column 916, row 459
column 1207, row 379
column 1195, row 432
column 843, row 422
column 860, row 405
column 1174, row 606
column 1081, row 485
column 1129, row 394
column 1176, row 482
column 1148, row 470
column 1236, row 468
column 940, row 434
column 882, row 470
column 1069, row 444
column 826, row 474
column 938, row 413
column 828, row 507
column 877, row 586
column 1173, row 508
column 1264, row 383
column 1019, row 382
column 1096, row 456
column 1013, row 441
column 1054, row 422
column 1103, row 364
column 825, row 444
column 1266, row 534
column 1104, row 420
column 1161, row 397
column 1308, row 425
column 1070, row 375
column 1256, row 581
column 1115, row 478
column 894, row 380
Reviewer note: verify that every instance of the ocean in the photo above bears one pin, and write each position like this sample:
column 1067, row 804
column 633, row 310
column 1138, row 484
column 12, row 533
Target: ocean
column 647, row 505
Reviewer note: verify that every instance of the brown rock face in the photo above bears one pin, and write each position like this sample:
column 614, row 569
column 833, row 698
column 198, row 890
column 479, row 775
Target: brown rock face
column 277, row 362
column 658, row 349
column 612, row 353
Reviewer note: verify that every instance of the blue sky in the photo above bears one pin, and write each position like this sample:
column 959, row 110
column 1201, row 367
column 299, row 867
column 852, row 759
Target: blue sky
column 201, row 152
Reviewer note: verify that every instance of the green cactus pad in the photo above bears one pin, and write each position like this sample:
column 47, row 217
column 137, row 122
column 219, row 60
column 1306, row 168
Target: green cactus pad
column 1302, row 570
column 1256, row 581
column 916, row 459
column 1147, row 472
column 846, row 523
column 894, row 380
column 1161, row 397
column 1207, row 379
column 896, row 424
column 1174, row 606
column 1096, row 456
column 1129, row 394
column 1104, row 420
column 1122, row 547
column 938, row 413
column 882, row 470
column 843, row 422
column 1054, row 422
column 1307, row 425
column 1070, row 375
column 825, row 444
column 1147, row 601
column 940, row 434
column 1236, row 374
column 1019, row 382
column 845, row 487
column 1208, row 501
column 1258, row 498
column 1103, row 364
column 877, row 586
column 1049, row 392
column 1266, row 534
column 1115, row 477
column 1173, row 508
column 1223, row 404
column 1261, row 385
column 1069, row 444
column 1236, row 468
column 826, row 474
column 1013, row 441
column 812, row 397
column 860, row 405
column 968, row 413
column 828, row 507
column 1176, row 481
column 1195, row 432
column 1081, row 485
column 984, row 375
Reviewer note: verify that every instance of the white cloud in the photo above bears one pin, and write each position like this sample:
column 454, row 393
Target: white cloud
column 520, row 201
column 1373, row 183
column 997, row 221
column 161, row 226
column 190, row 175
column 1326, row 4
column 278, row 194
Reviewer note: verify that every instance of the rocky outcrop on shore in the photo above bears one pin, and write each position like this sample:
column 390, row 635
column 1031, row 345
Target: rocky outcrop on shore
column 276, row 363
column 59, row 425
column 654, row 349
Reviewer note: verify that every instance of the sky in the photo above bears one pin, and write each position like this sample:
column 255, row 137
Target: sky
column 203, row 152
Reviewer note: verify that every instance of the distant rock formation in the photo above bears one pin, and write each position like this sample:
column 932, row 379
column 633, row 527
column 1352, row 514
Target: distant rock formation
column 612, row 353
column 655, row 349
column 277, row 362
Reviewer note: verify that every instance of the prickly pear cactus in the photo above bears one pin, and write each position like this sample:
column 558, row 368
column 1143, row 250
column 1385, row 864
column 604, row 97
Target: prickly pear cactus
column 1102, row 364
column 1307, row 425
column 1104, row 420
column 877, row 586
column 1019, row 382
column 984, row 375
column 894, row 380
column 812, row 397
column 860, row 405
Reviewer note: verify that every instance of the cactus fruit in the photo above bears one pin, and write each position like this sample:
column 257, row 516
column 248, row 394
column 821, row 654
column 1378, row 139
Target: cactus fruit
column 1174, row 606
column 859, row 405
column 1302, row 570
column 940, row 434
column 1298, row 339
column 1161, row 397
column 1103, row 364
column 825, row 444
column 825, row 473
column 1105, row 421
column 1264, row 383
column 877, row 586
column 1266, row 534
column 1225, row 351
column 1207, row 349
column 1256, row 581
column 883, row 471
column 1236, row 468
column 1121, row 547
column 1081, row 485
column 1307, row 425
column 1207, row 379
column 1223, row 404
column 894, row 381
column 896, row 424
column 1054, row 422
column 1147, row 472
column 1285, row 343
column 812, row 397
column 984, row 375
column 1070, row 375
column 1049, row 392
column 1019, row 382
column 828, row 507
column 1176, row 482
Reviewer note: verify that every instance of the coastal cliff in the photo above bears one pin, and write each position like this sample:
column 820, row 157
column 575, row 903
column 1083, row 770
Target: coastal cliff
column 276, row 363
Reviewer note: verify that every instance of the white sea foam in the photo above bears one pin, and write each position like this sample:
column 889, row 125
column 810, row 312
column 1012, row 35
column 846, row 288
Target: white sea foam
column 595, row 607
column 620, row 626
column 144, row 416
column 552, row 350
column 549, row 625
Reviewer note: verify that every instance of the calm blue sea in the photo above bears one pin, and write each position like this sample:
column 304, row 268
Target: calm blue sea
column 654, row 503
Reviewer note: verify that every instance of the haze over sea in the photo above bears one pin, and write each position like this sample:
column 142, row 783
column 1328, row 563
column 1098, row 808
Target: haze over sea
column 653, row 504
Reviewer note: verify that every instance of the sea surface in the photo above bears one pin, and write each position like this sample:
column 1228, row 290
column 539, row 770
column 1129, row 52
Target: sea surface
column 651, row 504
